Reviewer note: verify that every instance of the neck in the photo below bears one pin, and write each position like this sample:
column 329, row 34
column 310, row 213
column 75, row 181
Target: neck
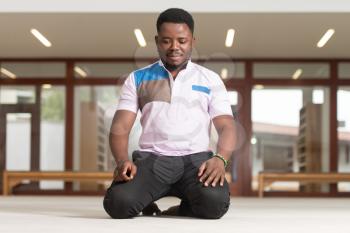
column 175, row 69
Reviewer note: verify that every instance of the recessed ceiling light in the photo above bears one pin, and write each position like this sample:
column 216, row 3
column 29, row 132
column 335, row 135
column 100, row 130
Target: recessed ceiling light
column 140, row 38
column 41, row 37
column 325, row 38
column 297, row 74
column 230, row 37
column 80, row 71
column 8, row 73
column 224, row 73
column 258, row 86
column 47, row 86
column 253, row 140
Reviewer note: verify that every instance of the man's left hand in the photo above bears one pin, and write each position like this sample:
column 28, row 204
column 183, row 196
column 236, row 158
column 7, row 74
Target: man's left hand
column 211, row 172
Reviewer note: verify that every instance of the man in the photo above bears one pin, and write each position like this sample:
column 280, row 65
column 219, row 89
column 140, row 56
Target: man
column 178, row 99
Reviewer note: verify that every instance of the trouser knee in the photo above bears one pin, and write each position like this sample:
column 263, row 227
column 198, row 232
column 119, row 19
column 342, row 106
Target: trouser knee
column 211, row 204
column 119, row 205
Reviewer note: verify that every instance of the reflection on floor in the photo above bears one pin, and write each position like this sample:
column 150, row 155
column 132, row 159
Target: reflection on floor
column 85, row 214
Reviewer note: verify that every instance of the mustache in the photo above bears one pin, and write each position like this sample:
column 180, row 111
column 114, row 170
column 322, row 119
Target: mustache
column 174, row 54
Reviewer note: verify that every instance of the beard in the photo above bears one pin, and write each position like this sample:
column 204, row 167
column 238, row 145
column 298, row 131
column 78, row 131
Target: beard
column 173, row 67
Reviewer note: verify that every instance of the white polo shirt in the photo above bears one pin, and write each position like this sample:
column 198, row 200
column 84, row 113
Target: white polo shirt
column 175, row 114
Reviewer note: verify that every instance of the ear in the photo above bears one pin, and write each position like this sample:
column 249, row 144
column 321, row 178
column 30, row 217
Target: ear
column 156, row 39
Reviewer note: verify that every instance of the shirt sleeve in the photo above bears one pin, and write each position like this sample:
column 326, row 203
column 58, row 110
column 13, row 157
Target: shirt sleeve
column 128, row 98
column 219, row 102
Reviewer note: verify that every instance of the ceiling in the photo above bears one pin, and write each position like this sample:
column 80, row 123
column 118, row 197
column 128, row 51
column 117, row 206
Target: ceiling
column 105, row 35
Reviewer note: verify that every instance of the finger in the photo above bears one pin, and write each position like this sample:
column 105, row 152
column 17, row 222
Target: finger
column 222, row 180
column 125, row 170
column 210, row 178
column 216, row 179
column 205, row 175
column 201, row 169
column 133, row 171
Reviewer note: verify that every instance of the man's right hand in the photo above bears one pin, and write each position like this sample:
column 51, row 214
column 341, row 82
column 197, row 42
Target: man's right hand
column 125, row 171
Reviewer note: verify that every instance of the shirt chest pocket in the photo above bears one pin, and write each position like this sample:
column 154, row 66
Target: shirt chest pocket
column 199, row 96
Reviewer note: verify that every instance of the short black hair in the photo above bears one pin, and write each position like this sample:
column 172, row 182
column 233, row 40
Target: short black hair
column 175, row 15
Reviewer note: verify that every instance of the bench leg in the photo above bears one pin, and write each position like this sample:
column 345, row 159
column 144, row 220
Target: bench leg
column 5, row 184
column 261, row 186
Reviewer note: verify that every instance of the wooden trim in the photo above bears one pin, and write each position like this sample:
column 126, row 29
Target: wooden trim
column 99, row 81
column 2, row 145
column 69, row 133
column 247, row 124
column 13, row 178
column 302, row 194
column 291, row 82
column 57, row 192
column 32, row 81
column 329, row 177
column 35, row 132
column 333, row 126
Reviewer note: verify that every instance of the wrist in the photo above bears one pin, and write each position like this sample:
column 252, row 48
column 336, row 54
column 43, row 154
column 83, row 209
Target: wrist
column 219, row 156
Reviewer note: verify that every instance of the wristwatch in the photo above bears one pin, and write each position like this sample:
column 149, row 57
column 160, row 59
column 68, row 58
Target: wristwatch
column 222, row 158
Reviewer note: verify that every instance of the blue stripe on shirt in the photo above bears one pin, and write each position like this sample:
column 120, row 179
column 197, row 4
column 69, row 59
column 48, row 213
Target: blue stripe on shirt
column 154, row 72
column 201, row 88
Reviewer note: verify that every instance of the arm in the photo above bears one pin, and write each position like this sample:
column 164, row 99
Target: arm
column 118, row 139
column 225, row 126
column 213, row 170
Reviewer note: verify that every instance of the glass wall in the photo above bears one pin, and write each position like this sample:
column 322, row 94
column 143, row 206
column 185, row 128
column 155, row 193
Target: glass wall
column 18, row 104
column 290, row 134
column 32, row 70
column 52, row 132
column 343, row 114
column 227, row 70
column 17, row 125
column 17, row 94
column 105, row 69
column 286, row 70
column 344, row 70
column 290, row 124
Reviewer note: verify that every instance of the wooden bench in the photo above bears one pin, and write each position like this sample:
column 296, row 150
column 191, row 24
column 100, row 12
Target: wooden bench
column 12, row 178
column 267, row 178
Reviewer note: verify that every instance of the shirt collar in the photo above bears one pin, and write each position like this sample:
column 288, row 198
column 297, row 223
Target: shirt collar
column 188, row 66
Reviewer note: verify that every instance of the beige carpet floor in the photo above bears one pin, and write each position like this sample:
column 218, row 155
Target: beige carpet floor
column 51, row 214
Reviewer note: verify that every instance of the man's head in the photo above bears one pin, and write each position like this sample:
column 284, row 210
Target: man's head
column 175, row 39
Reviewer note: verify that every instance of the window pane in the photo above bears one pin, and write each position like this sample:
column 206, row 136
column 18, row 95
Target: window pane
column 18, row 128
column 105, row 69
column 290, row 134
column 343, row 113
column 33, row 70
column 227, row 70
column 344, row 70
column 52, row 128
column 17, row 94
column 291, row 70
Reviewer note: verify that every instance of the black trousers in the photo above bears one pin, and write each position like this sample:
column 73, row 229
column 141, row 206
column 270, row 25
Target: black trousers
column 160, row 176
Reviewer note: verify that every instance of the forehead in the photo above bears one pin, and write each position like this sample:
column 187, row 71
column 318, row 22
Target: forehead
column 174, row 29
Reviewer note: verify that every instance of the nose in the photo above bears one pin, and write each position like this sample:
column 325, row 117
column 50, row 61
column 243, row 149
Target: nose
column 174, row 45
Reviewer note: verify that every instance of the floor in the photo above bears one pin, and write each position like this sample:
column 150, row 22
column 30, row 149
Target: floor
column 52, row 214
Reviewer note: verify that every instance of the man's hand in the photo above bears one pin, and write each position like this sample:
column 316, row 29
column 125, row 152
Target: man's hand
column 125, row 171
column 211, row 172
